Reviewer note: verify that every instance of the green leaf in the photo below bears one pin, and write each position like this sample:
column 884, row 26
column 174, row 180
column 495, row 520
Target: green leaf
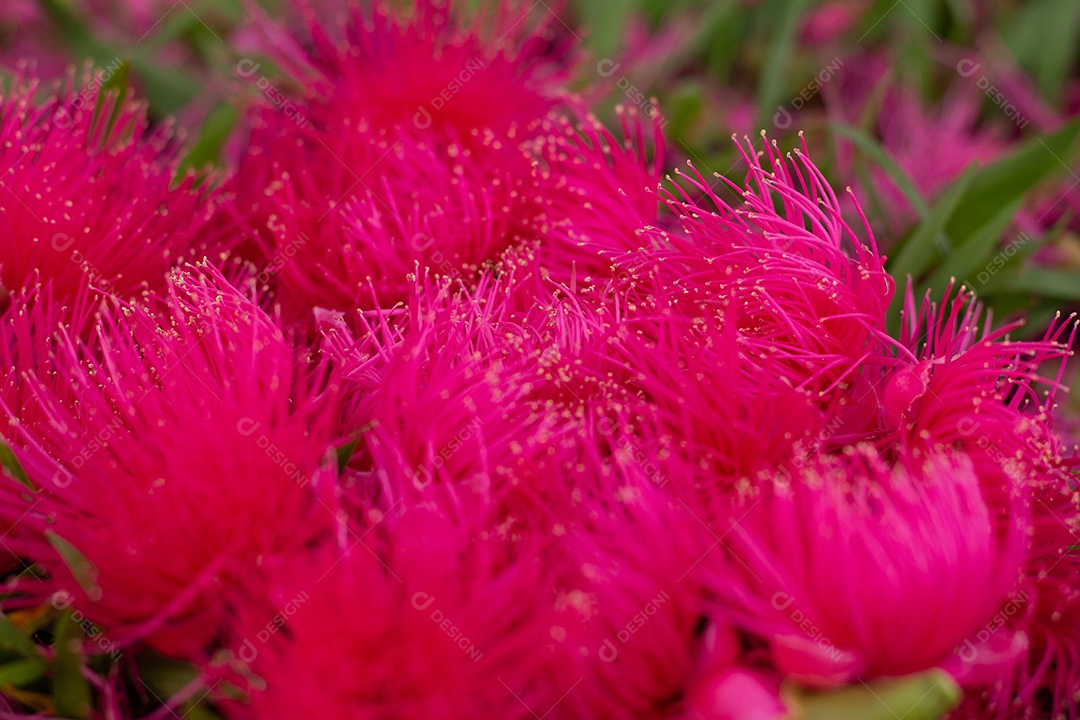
column 22, row 672
column 84, row 571
column 344, row 454
column 165, row 676
column 963, row 262
column 114, row 90
column 1012, row 177
column 883, row 160
column 605, row 20
column 195, row 710
column 167, row 89
column 918, row 251
column 12, row 638
column 206, row 150
column 71, row 691
column 775, row 72
column 1043, row 36
column 926, row 696
column 11, row 466
column 684, row 108
column 1045, row 283
column 723, row 27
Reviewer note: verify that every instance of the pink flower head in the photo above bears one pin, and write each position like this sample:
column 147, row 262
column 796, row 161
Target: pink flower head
column 732, row 415
column 421, row 617
column 88, row 195
column 1045, row 607
column 348, row 193
column 467, row 75
column 196, row 444
column 1050, row 674
column 581, row 606
column 629, row 613
column 855, row 570
column 483, row 400
column 759, row 332
column 782, row 274
column 959, row 385
column 602, row 190
column 33, row 327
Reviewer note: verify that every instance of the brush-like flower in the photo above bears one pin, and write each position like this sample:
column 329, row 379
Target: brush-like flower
column 89, row 198
column 730, row 416
column 196, row 445
column 854, row 569
column 418, row 616
column 425, row 175
column 518, row 416
column 958, row 385
column 758, row 337
column 779, row 270
column 465, row 72
column 570, row 606
column 475, row 395
column 602, row 190
column 32, row 328
column 1046, row 682
column 1046, row 607
column 630, row 614
column 365, row 177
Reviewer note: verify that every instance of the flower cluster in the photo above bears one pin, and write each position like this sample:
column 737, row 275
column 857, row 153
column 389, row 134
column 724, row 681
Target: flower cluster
column 441, row 404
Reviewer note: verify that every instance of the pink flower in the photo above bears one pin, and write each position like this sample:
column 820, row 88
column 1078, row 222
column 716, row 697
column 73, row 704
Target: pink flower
column 426, row 168
column 603, row 193
column 196, row 445
column 567, row 609
column 1050, row 672
column 762, row 317
column 1044, row 682
column 931, row 144
column 828, row 22
column 856, row 570
column 960, row 386
column 418, row 618
column 89, row 200
column 470, row 75
column 427, row 173
column 468, row 391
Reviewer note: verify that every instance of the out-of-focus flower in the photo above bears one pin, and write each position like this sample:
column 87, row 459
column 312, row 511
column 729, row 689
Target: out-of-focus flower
column 436, row 623
column 429, row 174
column 195, row 446
column 829, row 21
column 856, row 570
column 89, row 197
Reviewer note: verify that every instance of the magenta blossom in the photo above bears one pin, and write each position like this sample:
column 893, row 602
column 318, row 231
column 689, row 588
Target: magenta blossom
column 415, row 617
column 89, row 195
column 197, row 444
column 856, row 570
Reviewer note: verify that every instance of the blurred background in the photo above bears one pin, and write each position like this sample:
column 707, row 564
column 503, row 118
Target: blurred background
column 954, row 122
